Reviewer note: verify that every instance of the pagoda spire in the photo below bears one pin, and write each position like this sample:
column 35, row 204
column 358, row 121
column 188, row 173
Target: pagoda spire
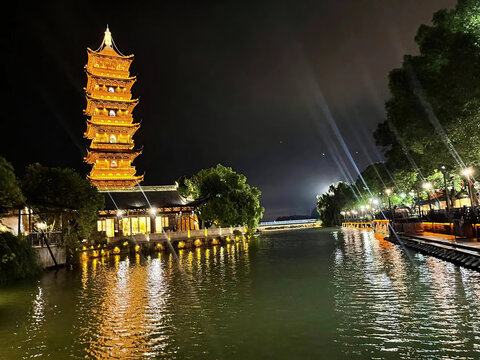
column 107, row 40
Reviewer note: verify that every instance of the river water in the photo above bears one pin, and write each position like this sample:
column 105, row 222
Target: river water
column 305, row 294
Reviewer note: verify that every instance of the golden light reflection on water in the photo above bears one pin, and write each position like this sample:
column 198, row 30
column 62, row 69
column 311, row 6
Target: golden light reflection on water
column 132, row 310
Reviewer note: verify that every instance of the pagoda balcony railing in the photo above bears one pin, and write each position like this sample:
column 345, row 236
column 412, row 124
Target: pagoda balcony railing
column 111, row 172
column 116, row 120
column 111, row 146
column 96, row 70
column 116, row 96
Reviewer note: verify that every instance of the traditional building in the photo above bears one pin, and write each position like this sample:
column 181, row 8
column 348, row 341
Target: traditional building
column 110, row 124
column 147, row 210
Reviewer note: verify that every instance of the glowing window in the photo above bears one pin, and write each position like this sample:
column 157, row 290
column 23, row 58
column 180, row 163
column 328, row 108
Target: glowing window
column 113, row 163
column 113, row 139
column 112, row 113
column 111, row 89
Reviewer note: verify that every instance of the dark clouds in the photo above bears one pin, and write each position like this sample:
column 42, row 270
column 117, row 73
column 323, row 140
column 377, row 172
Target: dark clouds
column 236, row 83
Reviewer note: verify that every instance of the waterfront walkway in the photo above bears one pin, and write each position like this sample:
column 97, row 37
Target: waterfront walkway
column 461, row 251
column 471, row 245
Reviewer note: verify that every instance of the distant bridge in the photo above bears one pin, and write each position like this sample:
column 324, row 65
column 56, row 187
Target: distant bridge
column 286, row 224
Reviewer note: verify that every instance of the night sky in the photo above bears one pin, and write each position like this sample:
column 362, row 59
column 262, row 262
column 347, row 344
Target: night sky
column 267, row 87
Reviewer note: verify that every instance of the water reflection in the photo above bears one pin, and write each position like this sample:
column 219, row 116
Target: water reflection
column 300, row 294
column 140, row 310
column 396, row 308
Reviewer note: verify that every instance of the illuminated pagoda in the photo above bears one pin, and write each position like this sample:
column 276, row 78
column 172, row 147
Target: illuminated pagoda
column 129, row 210
column 110, row 124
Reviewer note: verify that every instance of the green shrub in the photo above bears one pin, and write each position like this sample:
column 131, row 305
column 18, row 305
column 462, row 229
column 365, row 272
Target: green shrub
column 17, row 258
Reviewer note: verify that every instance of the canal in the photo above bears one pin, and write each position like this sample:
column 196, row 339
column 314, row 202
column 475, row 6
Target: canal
column 305, row 294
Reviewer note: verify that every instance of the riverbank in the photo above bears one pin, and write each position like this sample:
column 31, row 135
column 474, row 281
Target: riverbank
column 168, row 241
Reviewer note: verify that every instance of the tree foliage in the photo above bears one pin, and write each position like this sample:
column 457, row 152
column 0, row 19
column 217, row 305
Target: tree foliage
column 434, row 111
column 332, row 202
column 10, row 194
column 228, row 199
column 17, row 258
column 54, row 189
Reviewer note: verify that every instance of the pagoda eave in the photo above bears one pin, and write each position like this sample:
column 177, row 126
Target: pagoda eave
column 115, row 184
column 97, row 154
column 112, row 56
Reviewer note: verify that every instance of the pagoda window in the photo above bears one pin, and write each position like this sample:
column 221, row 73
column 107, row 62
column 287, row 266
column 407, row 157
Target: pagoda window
column 113, row 139
column 111, row 89
column 112, row 113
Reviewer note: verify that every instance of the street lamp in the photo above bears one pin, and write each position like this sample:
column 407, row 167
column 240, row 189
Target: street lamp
column 389, row 192
column 468, row 172
column 444, row 172
column 427, row 186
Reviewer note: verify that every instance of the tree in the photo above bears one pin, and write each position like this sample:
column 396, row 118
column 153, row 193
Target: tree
column 329, row 205
column 228, row 199
column 53, row 190
column 434, row 111
column 10, row 194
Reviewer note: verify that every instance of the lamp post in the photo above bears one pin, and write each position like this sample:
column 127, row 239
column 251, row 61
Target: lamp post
column 119, row 215
column 427, row 186
column 444, row 172
column 468, row 172
column 389, row 192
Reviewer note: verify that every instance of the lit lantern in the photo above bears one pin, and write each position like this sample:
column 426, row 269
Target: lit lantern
column 137, row 248
column 181, row 244
column 116, row 250
column 198, row 242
